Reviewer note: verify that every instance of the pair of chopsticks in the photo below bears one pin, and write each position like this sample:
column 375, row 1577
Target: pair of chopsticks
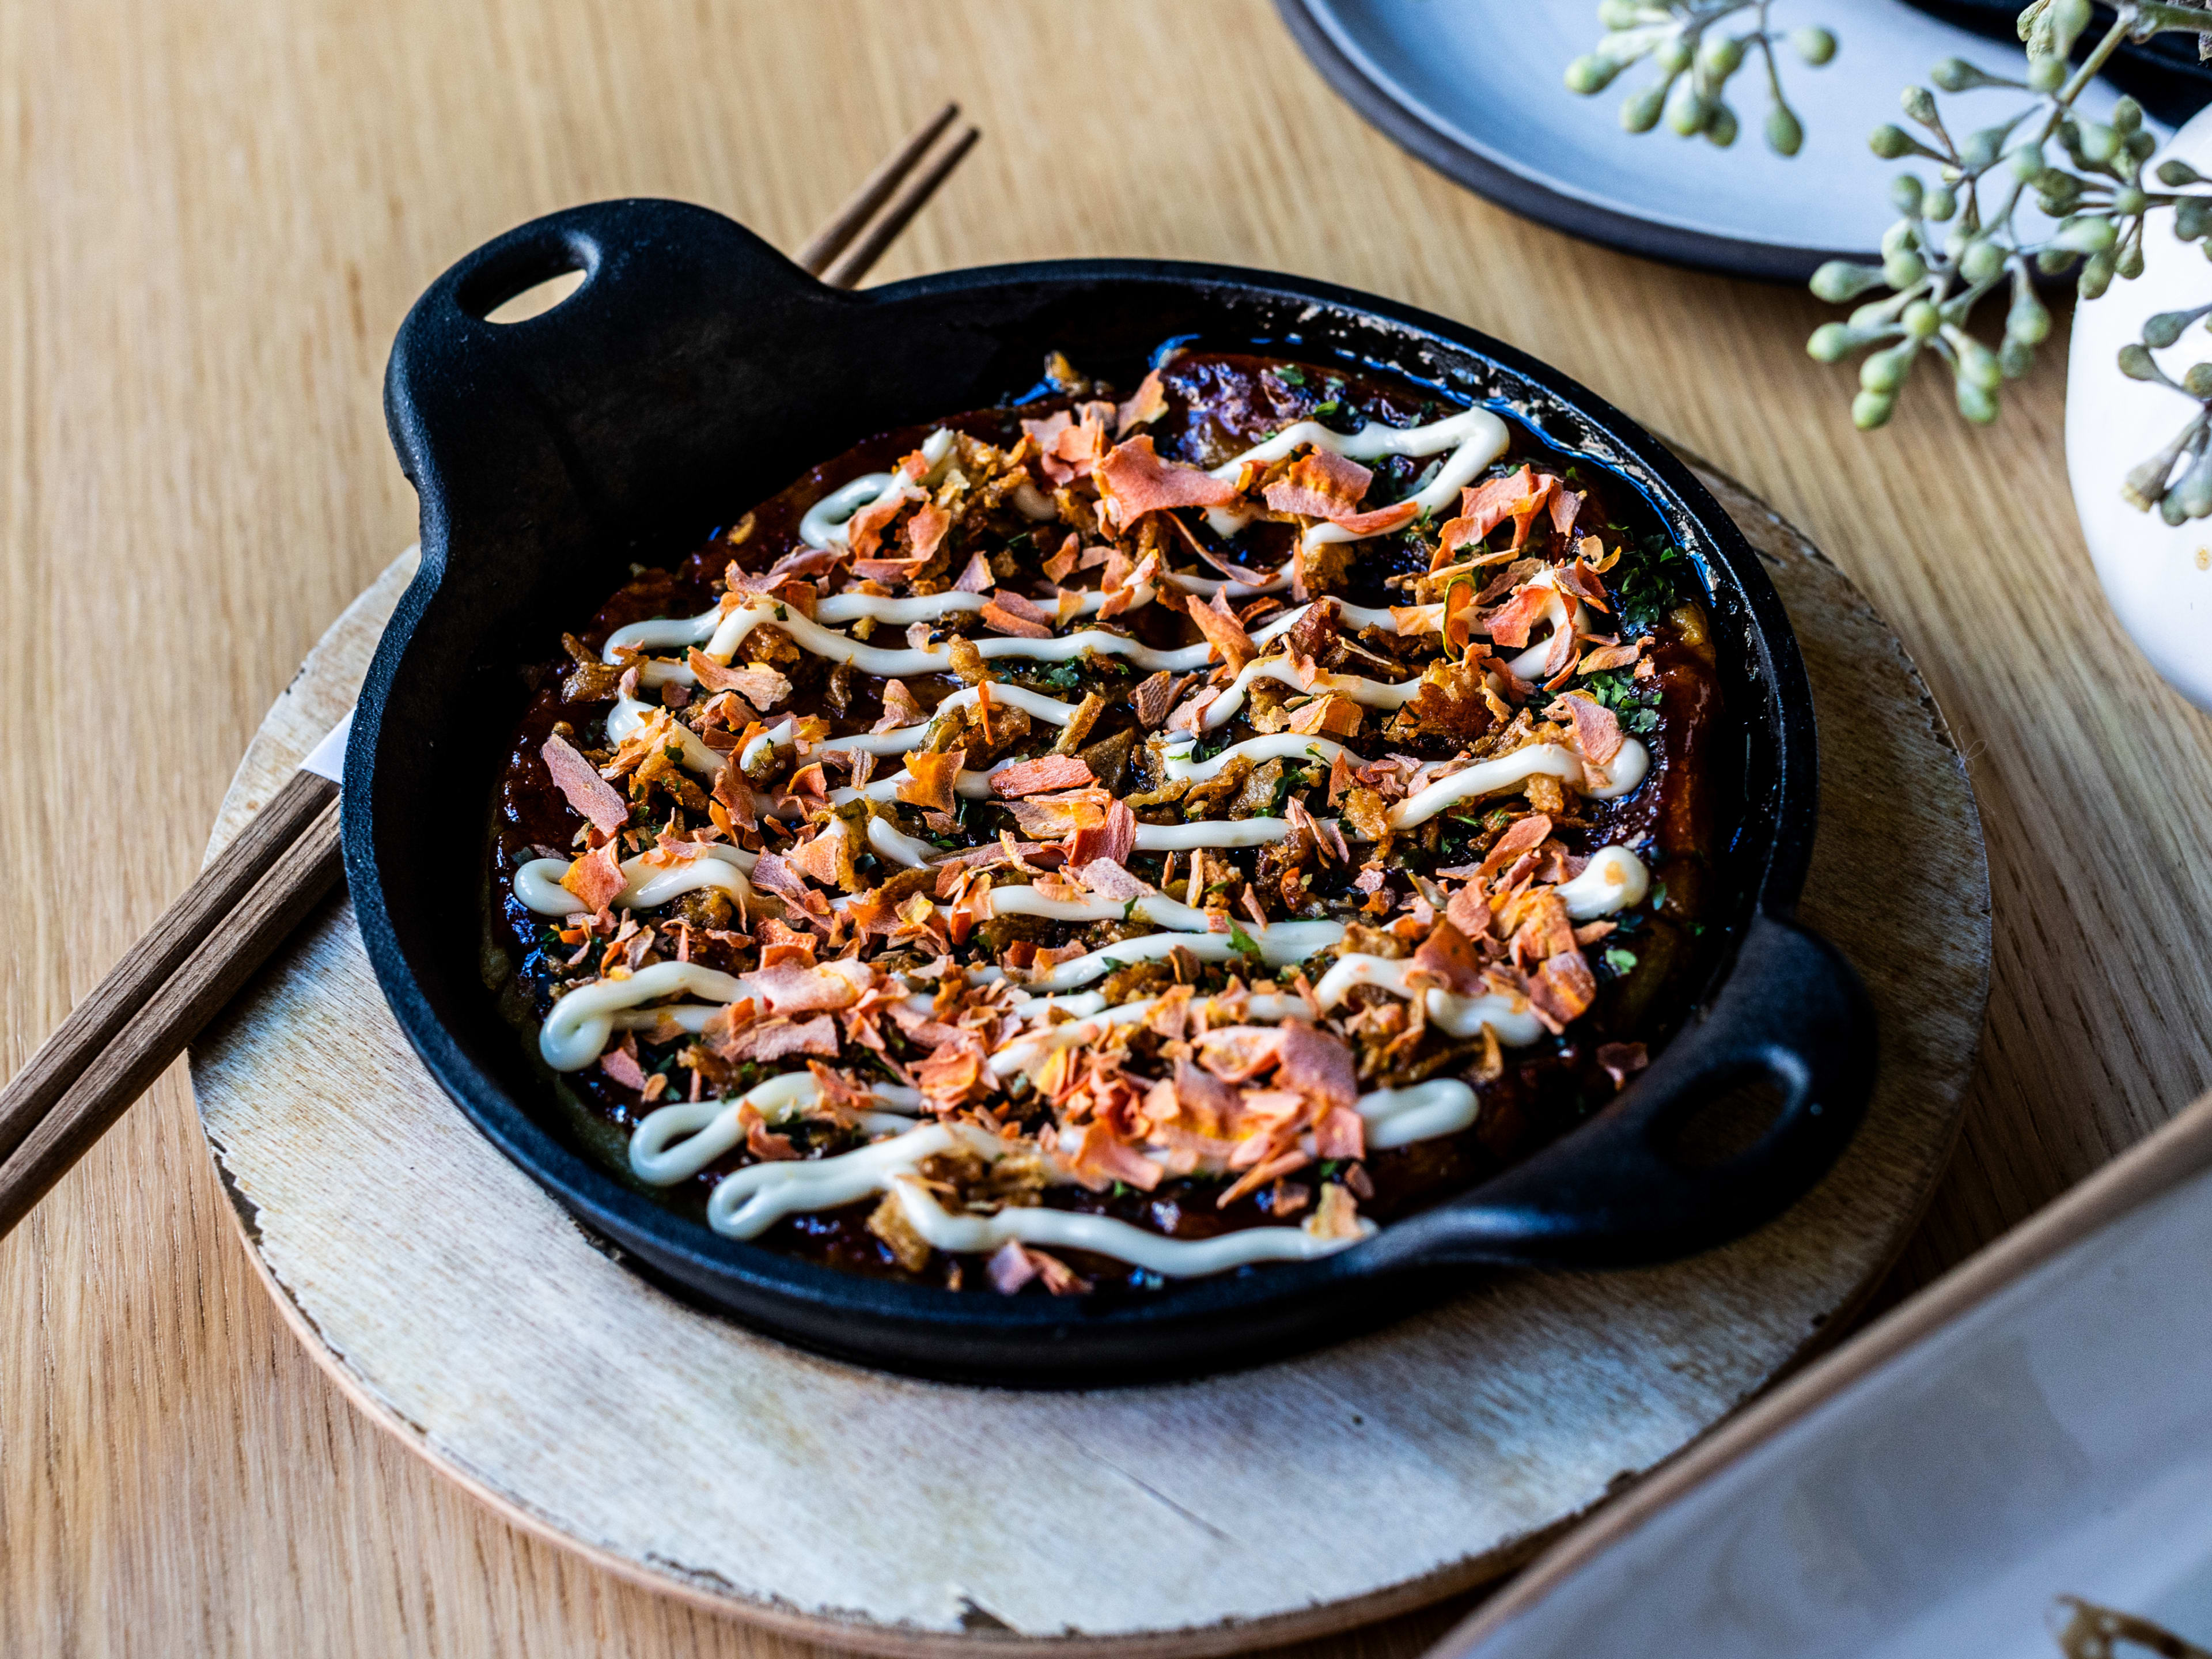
column 231, row 921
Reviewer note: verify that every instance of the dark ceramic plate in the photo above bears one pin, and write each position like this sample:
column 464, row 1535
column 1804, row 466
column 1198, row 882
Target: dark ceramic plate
column 696, row 370
column 1474, row 88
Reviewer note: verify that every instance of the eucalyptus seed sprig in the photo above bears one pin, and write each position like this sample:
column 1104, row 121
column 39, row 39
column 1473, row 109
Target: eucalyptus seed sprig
column 2178, row 480
column 1959, row 240
column 1696, row 58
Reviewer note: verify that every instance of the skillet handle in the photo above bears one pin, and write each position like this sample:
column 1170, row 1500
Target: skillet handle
column 678, row 307
column 1793, row 1013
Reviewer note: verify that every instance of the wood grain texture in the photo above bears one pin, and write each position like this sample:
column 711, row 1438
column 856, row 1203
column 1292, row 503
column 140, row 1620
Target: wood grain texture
column 95, row 1022
column 218, row 214
column 459, row 1306
column 171, row 1013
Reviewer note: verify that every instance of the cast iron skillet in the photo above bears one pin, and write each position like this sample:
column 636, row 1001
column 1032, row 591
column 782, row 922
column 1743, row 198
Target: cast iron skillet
column 697, row 371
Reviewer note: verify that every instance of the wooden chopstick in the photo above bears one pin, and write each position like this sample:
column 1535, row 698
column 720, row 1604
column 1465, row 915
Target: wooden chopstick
column 246, row 904
column 294, row 884
column 852, row 263
column 827, row 243
column 93, row 1023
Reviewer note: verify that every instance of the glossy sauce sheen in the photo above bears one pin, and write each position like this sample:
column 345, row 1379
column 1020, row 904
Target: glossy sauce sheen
column 1219, row 404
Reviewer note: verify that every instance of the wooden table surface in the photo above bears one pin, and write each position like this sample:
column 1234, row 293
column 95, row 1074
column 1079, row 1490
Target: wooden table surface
column 216, row 213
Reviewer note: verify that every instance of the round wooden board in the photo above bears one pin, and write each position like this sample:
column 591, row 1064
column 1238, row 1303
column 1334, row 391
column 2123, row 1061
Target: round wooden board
column 463, row 1310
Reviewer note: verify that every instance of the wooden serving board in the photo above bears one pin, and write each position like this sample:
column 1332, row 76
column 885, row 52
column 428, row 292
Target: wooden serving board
column 463, row 1310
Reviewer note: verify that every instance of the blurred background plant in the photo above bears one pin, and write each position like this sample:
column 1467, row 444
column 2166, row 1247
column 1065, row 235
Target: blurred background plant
column 1960, row 238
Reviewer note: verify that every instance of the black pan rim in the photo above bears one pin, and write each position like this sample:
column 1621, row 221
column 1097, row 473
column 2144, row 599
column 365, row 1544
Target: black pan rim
column 674, row 1242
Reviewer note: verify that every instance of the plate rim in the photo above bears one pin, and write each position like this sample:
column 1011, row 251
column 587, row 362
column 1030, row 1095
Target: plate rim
column 1692, row 250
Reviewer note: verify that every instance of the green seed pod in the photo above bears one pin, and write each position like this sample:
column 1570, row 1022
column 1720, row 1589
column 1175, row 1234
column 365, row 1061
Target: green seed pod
column 2135, row 361
column 1673, row 54
column 1592, row 72
column 1905, row 193
column 1815, row 46
column 1641, row 110
column 2130, row 202
column 1891, row 141
column 2192, row 217
column 2096, row 276
column 1687, row 108
column 1921, row 320
column 2016, row 358
column 2198, row 383
column 1830, row 344
column 2142, row 145
column 1720, row 57
column 1885, row 371
column 2056, row 185
column 2067, row 19
column 1983, row 262
column 1941, row 204
column 2029, row 320
column 2173, row 174
column 2129, row 264
column 2195, row 492
column 1785, row 133
column 2053, row 260
column 1978, row 404
column 2127, row 116
column 2169, row 509
column 1957, row 75
column 1620, row 13
column 1871, row 408
column 1978, row 364
column 2025, row 162
column 2099, row 143
column 1720, row 125
column 1840, row 280
column 1982, row 149
column 2090, row 233
column 1919, row 105
column 2163, row 330
column 1904, row 269
column 2047, row 74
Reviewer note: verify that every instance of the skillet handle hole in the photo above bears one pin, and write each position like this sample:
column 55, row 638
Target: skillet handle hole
column 1728, row 1125
column 538, row 298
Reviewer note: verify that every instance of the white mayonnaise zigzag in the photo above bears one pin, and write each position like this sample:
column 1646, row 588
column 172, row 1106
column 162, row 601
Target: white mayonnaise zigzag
column 676, row 1142
column 1475, row 438
column 1622, row 774
column 584, row 1020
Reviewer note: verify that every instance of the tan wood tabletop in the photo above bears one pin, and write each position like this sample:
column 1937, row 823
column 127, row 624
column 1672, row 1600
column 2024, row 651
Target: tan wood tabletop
column 216, row 215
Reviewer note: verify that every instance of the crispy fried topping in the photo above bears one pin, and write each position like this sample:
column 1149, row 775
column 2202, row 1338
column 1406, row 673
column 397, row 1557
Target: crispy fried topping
column 902, row 941
column 600, row 804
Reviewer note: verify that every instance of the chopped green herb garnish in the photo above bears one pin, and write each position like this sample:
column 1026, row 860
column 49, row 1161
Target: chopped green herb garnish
column 1636, row 701
column 1653, row 577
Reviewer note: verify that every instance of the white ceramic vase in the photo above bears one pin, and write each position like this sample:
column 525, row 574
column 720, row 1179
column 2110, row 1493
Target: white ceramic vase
column 2157, row 577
